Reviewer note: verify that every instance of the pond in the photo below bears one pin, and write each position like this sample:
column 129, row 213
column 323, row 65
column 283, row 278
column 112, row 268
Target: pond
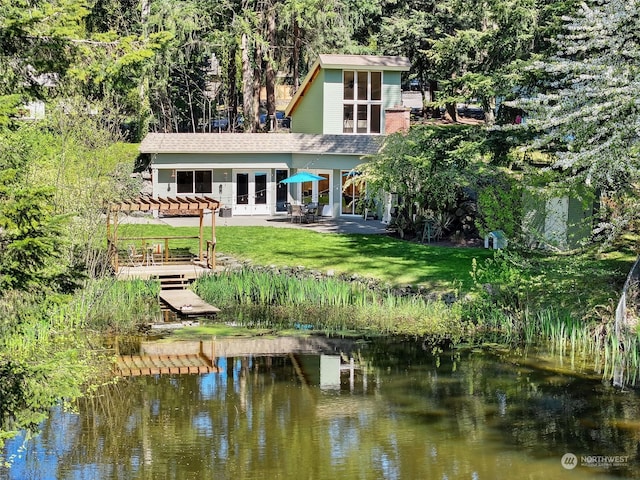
column 321, row 408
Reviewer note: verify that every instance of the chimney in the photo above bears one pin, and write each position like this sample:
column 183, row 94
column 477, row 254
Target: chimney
column 397, row 119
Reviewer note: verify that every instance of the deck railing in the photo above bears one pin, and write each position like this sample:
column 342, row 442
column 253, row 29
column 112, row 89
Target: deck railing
column 162, row 248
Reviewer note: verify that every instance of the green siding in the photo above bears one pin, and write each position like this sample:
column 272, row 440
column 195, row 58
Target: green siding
column 307, row 117
column 320, row 110
column 392, row 89
column 326, row 162
column 534, row 208
column 577, row 220
column 333, row 93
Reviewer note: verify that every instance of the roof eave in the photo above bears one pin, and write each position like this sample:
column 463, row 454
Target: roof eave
column 306, row 84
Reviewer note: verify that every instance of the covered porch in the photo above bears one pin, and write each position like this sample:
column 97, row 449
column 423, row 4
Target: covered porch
column 145, row 256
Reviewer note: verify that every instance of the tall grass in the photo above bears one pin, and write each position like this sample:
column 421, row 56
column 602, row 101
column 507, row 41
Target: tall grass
column 592, row 343
column 618, row 359
column 118, row 306
column 265, row 298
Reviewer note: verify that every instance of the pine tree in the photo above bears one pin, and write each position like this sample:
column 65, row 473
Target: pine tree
column 588, row 112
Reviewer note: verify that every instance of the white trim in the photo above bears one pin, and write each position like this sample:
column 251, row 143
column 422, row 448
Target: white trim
column 252, row 208
column 367, row 102
column 215, row 166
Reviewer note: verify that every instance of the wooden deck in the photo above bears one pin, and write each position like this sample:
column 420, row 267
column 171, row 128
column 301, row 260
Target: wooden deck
column 187, row 303
column 191, row 271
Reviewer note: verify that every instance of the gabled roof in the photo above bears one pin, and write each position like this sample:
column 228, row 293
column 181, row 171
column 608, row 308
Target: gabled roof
column 260, row 143
column 360, row 62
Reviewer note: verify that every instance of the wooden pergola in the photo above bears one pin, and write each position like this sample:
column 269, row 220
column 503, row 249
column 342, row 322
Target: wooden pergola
column 170, row 205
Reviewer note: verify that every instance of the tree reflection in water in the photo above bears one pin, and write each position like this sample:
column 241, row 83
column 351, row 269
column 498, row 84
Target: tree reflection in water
column 402, row 413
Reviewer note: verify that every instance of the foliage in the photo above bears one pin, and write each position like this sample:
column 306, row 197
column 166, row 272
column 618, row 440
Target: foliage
column 43, row 360
column 120, row 306
column 300, row 300
column 427, row 169
column 500, row 206
column 464, row 47
column 512, row 283
column 30, row 240
column 586, row 113
column 70, row 165
column 504, row 282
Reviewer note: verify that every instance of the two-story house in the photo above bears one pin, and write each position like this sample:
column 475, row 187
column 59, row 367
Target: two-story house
column 340, row 113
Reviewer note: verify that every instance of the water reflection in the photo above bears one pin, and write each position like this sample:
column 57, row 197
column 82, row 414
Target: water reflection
column 342, row 410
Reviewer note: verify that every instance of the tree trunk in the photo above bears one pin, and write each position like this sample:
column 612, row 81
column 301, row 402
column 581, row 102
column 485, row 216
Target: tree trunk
column 247, row 85
column 297, row 45
column 489, row 107
column 194, row 124
column 232, row 94
column 452, row 111
column 270, row 73
column 254, row 119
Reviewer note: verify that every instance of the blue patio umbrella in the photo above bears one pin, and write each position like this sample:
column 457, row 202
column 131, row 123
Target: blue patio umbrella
column 302, row 177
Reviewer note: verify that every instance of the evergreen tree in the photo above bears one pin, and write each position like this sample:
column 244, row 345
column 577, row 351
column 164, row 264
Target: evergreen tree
column 587, row 113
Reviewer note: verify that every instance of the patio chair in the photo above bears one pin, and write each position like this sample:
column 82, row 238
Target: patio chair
column 310, row 212
column 135, row 258
column 296, row 212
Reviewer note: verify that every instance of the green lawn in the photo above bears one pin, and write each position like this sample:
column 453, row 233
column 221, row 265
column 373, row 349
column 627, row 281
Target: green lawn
column 581, row 281
column 391, row 260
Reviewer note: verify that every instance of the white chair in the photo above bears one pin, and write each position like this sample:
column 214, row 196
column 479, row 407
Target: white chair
column 135, row 258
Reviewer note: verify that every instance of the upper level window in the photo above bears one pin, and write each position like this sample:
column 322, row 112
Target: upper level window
column 194, row 181
column 362, row 102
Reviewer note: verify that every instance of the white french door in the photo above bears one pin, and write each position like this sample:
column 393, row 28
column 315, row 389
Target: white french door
column 251, row 192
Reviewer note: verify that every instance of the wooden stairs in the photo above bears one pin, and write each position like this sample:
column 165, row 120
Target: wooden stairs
column 174, row 281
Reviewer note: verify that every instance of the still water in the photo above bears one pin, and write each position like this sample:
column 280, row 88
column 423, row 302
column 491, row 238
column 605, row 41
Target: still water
column 342, row 410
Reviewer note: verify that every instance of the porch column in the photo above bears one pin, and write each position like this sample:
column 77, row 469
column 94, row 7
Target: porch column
column 200, row 256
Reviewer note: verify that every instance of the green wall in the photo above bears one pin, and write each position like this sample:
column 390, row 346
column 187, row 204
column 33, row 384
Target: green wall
column 332, row 108
column 307, row 117
column 320, row 110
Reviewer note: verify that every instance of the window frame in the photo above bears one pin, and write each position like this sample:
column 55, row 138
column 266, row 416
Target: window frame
column 359, row 105
column 196, row 186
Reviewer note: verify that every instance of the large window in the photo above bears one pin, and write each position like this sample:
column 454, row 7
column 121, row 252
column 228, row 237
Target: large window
column 194, row 181
column 362, row 102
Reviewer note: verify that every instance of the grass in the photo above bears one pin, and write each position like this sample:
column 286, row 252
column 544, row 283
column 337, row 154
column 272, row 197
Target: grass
column 267, row 299
column 587, row 282
column 390, row 260
column 564, row 301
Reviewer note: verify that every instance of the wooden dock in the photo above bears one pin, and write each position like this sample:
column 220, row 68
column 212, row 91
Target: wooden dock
column 136, row 365
column 187, row 303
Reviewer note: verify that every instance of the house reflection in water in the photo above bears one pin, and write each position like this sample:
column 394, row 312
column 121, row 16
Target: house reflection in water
column 316, row 361
column 322, row 370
